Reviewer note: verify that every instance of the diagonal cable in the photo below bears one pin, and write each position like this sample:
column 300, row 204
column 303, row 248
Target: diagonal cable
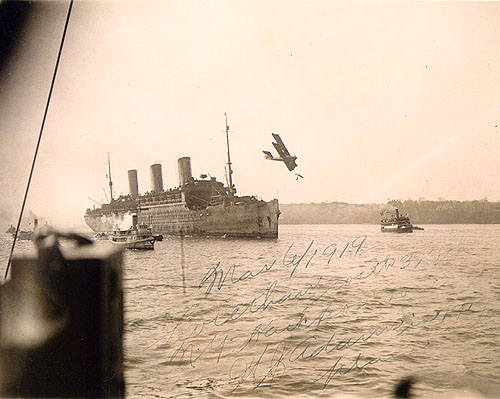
column 39, row 138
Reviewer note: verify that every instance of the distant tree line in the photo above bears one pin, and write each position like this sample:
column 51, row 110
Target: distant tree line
column 419, row 211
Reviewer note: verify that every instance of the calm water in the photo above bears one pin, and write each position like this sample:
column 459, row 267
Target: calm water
column 325, row 311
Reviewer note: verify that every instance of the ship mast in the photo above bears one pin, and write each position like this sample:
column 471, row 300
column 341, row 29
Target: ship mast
column 109, row 178
column 230, row 170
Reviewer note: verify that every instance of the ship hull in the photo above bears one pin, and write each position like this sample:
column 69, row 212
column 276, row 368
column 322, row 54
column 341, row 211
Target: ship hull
column 396, row 228
column 148, row 244
column 250, row 219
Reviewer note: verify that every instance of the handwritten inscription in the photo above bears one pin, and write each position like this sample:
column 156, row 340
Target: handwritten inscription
column 311, row 347
column 216, row 275
column 291, row 318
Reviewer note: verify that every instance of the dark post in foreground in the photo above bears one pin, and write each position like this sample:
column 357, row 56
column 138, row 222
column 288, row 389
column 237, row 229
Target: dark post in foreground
column 61, row 322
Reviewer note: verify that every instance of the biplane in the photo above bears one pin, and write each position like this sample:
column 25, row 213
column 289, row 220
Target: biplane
column 284, row 155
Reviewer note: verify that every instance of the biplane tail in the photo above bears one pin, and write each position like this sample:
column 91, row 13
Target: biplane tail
column 268, row 155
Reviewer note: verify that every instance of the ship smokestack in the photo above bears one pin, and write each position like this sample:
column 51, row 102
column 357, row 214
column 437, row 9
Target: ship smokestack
column 133, row 186
column 397, row 213
column 156, row 178
column 35, row 223
column 184, row 167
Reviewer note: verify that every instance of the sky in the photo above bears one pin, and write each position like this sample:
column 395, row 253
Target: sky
column 378, row 100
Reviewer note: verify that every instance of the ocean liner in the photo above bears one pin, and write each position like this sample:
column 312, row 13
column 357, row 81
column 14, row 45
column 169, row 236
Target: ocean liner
column 197, row 207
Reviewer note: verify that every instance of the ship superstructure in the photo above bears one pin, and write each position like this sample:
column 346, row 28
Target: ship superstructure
column 203, row 207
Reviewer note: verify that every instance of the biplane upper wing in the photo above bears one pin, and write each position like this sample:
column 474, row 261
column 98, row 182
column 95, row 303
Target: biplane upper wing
column 280, row 146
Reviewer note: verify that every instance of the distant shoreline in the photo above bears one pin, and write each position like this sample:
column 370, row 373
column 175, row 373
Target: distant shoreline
column 420, row 212
column 378, row 224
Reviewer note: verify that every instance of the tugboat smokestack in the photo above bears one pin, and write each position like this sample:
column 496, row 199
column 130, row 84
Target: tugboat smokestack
column 156, row 178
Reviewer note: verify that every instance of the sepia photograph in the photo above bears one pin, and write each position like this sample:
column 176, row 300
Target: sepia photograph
column 251, row 199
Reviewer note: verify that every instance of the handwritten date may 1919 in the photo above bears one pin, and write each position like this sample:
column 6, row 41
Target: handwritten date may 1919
column 218, row 276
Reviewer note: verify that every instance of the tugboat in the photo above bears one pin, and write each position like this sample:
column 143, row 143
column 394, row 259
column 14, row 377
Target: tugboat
column 139, row 236
column 395, row 223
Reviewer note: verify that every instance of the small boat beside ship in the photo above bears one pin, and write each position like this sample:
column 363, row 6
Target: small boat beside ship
column 393, row 222
column 158, row 237
column 139, row 236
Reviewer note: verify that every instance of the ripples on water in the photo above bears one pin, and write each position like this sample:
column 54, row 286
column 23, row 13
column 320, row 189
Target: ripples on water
column 336, row 310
